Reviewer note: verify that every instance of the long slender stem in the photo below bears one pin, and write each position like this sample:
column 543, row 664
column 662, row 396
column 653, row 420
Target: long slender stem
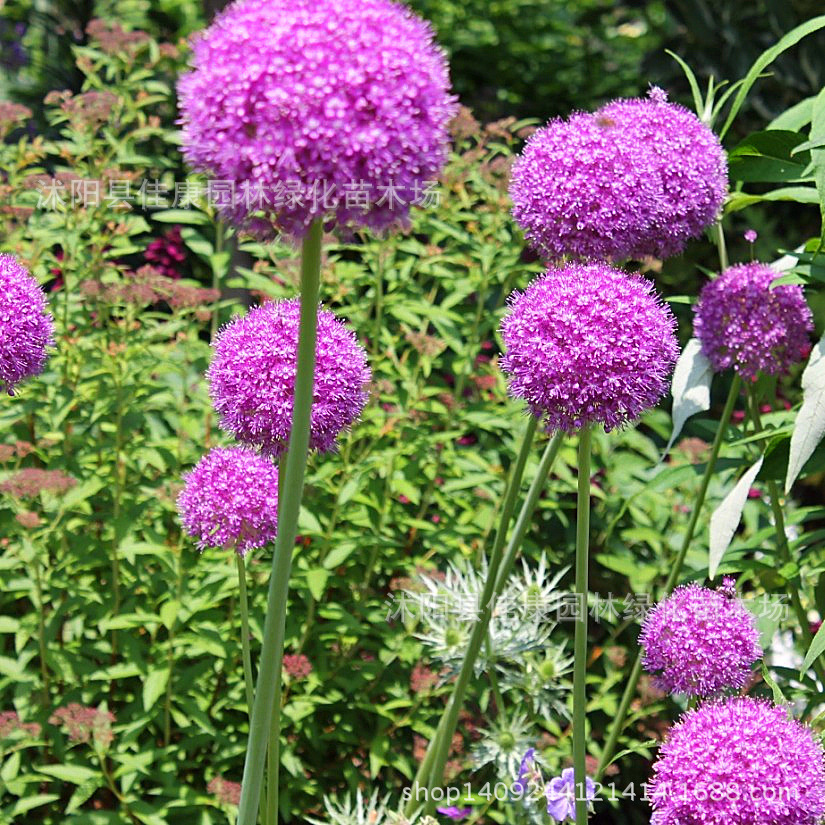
column 440, row 745
column 580, row 640
column 245, row 636
column 266, row 710
column 220, row 238
column 720, row 245
column 673, row 578
column 785, row 551
column 41, row 630
column 480, row 627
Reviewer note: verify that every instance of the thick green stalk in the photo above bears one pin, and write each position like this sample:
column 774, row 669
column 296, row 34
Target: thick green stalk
column 440, row 745
column 580, row 640
column 245, row 637
column 266, row 709
column 673, row 578
column 479, row 632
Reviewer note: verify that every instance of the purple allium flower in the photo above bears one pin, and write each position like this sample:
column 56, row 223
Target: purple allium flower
column 742, row 761
column 562, row 793
column 744, row 323
column 252, row 377
column 636, row 178
column 687, row 162
column 230, row 499
column 349, row 95
column 454, row 812
column 751, row 235
column 26, row 326
column 700, row 641
column 587, row 343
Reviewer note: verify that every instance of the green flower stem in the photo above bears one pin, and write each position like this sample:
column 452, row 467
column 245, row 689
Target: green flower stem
column 266, row 709
column 721, row 248
column 785, row 551
column 436, row 758
column 220, row 240
column 580, row 640
column 673, row 578
column 422, row 778
column 245, row 637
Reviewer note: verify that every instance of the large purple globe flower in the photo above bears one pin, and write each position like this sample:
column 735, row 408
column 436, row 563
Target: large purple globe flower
column 739, row 762
column 745, row 323
column 252, row 377
column 26, row 326
column 688, row 166
column 636, row 178
column 318, row 107
column 230, row 499
column 699, row 642
column 587, row 344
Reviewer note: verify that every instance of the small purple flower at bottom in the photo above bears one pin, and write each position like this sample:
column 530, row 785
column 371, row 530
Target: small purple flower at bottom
column 454, row 812
column 527, row 767
column 561, row 795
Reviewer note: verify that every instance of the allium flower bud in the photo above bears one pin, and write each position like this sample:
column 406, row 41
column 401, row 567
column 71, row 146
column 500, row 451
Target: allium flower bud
column 588, row 344
column 230, row 499
column 26, row 327
column 318, row 107
column 745, row 323
column 252, row 377
column 636, row 178
column 700, row 641
column 739, row 762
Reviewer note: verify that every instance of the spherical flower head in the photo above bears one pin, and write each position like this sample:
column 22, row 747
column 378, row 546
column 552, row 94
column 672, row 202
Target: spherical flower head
column 741, row 761
column 252, row 377
column 578, row 191
column 686, row 164
column 588, row 344
column 230, row 499
column 636, row 178
column 745, row 323
column 699, row 642
column 316, row 108
column 26, row 327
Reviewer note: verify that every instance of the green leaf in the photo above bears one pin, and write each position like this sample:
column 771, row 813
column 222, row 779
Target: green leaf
column 154, row 686
column 795, row 194
column 726, row 517
column 818, row 155
column 796, row 117
column 698, row 103
column 75, row 774
column 769, row 157
column 317, row 582
column 765, row 59
column 32, row 802
column 816, row 649
column 185, row 216
column 810, row 420
column 690, row 388
column 81, row 795
column 778, row 696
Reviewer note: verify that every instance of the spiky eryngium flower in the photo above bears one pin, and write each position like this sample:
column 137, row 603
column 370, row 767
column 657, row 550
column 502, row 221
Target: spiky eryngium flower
column 363, row 810
column 521, row 621
column 504, row 743
column 539, row 680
